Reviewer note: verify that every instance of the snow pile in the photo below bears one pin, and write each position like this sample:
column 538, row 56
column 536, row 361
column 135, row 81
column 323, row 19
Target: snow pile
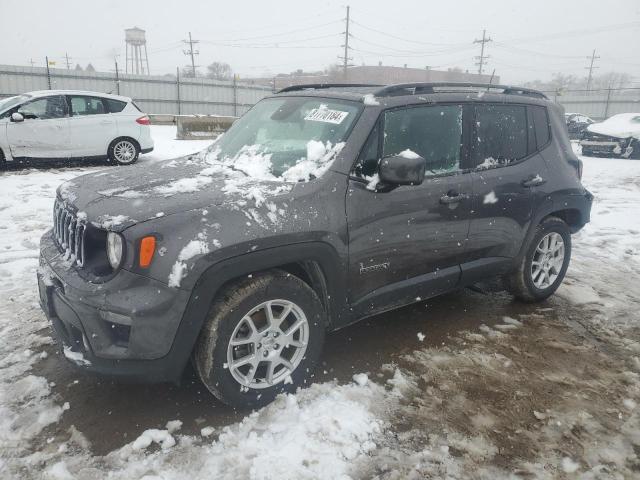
column 490, row 198
column 109, row 221
column 320, row 156
column 325, row 431
column 370, row 99
column 408, row 153
column 198, row 246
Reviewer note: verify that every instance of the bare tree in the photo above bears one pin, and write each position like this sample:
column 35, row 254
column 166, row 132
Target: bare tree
column 561, row 81
column 219, row 71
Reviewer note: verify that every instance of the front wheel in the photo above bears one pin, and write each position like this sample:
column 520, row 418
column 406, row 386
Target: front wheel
column 544, row 264
column 264, row 336
column 123, row 151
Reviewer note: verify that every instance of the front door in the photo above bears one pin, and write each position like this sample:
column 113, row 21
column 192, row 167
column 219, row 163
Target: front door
column 407, row 242
column 92, row 127
column 44, row 133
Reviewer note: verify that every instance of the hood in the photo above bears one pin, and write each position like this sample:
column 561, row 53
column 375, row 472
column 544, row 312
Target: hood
column 119, row 197
column 624, row 125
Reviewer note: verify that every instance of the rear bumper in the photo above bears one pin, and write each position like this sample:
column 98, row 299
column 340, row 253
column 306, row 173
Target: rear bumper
column 125, row 327
column 146, row 150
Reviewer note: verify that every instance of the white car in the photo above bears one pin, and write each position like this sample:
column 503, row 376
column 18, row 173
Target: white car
column 64, row 124
column 617, row 136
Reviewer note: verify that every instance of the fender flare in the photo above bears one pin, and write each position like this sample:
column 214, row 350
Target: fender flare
column 565, row 202
column 215, row 277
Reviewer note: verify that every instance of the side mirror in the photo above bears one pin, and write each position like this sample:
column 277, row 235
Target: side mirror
column 404, row 169
column 17, row 117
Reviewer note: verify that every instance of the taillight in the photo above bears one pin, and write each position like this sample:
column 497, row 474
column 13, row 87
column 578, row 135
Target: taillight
column 144, row 120
column 147, row 249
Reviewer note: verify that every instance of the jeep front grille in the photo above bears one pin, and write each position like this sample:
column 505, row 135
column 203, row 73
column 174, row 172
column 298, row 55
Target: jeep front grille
column 68, row 232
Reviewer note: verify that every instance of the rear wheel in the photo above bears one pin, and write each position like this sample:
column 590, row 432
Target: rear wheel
column 123, row 151
column 3, row 161
column 544, row 264
column 264, row 336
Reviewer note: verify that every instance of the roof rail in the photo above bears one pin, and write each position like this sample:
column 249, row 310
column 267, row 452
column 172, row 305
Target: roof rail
column 426, row 88
column 317, row 86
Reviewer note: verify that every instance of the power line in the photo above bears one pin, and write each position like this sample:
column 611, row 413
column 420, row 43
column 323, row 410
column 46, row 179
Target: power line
column 191, row 53
column 590, row 68
column 482, row 58
column 406, row 39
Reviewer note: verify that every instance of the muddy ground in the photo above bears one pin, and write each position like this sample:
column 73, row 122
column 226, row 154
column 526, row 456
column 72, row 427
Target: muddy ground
column 500, row 384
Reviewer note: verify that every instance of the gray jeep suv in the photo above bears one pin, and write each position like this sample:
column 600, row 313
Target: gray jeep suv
column 324, row 204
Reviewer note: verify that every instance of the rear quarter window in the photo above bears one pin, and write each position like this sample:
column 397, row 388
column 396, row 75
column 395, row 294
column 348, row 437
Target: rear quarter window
column 115, row 106
column 541, row 125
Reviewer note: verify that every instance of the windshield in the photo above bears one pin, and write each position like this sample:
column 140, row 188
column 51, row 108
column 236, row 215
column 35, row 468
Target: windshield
column 7, row 103
column 294, row 138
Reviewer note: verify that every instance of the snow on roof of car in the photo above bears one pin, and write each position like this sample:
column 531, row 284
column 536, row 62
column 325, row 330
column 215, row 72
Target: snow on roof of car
column 45, row 93
column 622, row 125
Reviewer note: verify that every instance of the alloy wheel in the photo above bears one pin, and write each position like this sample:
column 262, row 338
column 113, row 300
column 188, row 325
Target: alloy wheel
column 548, row 260
column 124, row 152
column 268, row 344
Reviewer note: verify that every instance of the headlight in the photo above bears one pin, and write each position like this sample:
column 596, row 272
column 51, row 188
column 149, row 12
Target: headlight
column 114, row 249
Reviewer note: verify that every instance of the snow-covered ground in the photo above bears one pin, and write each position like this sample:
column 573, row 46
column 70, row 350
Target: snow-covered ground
column 551, row 391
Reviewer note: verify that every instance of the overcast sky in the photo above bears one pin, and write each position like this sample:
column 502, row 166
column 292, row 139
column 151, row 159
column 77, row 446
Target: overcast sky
column 531, row 40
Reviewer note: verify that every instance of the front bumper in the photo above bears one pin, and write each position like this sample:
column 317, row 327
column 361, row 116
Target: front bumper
column 125, row 327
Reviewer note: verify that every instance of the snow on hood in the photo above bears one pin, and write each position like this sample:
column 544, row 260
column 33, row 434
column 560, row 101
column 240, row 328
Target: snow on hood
column 623, row 125
column 119, row 198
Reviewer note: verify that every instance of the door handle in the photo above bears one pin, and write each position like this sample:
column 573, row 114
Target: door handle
column 106, row 122
column 452, row 197
column 535, row 181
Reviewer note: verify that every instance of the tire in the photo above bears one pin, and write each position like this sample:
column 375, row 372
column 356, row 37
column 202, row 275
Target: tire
column 3, row 161
column 123, row 151
column 530, row 282
column 229, row 318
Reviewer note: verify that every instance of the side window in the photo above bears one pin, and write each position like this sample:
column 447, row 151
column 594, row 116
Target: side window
column 44, row 108
column 86, row 106
column 433, row 132
column 501, row 135
column 115, row 106
column 541, row 124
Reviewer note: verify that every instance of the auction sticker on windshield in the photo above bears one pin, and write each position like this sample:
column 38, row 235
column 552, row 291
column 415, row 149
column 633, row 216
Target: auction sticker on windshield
column 326, row 115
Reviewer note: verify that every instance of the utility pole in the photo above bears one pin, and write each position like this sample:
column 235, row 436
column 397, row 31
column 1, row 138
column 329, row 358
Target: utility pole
column 48, row 73
column 191, row 53
column 593, row 58
column 32, row 62
column 67, row 60
column 482, row 59
column 345, row 59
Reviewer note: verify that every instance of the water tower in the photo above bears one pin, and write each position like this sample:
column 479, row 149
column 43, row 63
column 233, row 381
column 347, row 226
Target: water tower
column 136, row 51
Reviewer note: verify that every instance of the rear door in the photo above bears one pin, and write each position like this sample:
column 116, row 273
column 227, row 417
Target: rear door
column 44, row 133
column 91, row 126
column 408, row 241
column 507, row 169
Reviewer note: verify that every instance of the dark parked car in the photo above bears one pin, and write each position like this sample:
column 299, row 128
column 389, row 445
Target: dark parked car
column 577, row 124
column 617, row 136
column 320, row 206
